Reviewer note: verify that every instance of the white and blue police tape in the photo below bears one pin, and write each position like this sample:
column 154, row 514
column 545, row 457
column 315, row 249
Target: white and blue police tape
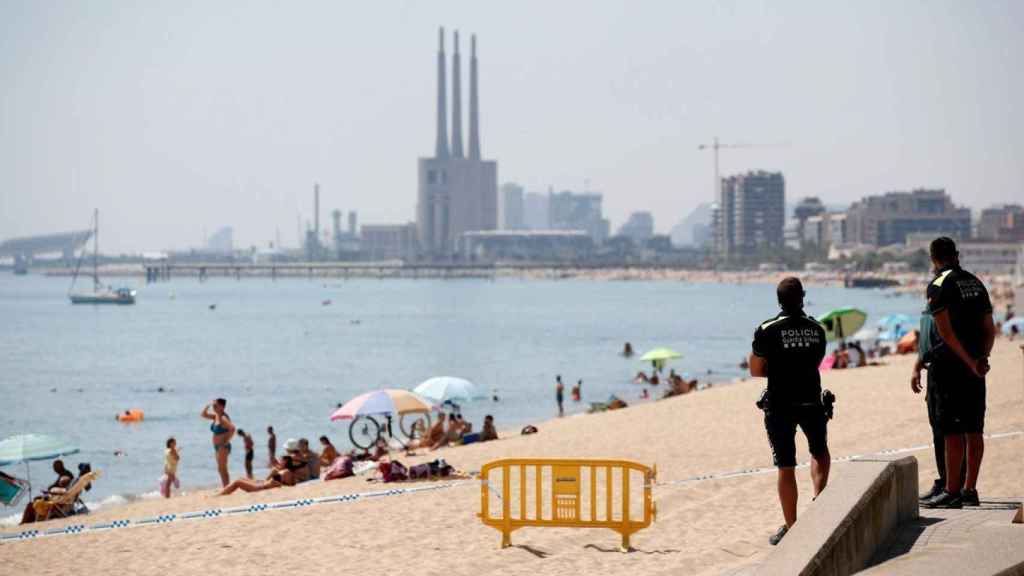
column 164, row 519
column 34, row 534
column 772, row 469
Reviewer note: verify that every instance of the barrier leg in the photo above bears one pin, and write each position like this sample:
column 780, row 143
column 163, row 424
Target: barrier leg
column 625, row 542
column 506, row 539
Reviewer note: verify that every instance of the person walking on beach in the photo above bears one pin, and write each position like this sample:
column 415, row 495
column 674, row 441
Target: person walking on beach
column 249, row 452
column 170, row 478
column 560, row 395
column 787, row 349
column 223, row 430
column 962, row 311
column 271, row 446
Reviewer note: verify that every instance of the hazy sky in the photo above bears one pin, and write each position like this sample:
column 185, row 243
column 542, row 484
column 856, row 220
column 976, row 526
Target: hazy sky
column 175, row 117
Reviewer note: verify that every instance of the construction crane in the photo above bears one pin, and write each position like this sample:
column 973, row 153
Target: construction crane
column 716, row 145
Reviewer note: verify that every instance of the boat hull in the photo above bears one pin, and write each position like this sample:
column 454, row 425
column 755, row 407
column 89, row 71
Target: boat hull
column 114, row 298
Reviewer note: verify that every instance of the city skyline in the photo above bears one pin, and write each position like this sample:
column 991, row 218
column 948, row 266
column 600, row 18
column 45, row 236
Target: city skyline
column 177, row 119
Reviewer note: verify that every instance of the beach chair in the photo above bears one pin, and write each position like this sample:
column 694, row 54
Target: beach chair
column 12, row 490
column 62, row 504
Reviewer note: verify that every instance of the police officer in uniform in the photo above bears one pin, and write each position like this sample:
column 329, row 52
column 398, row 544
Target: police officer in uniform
column 788, row 350
column 929, row 346
column 962, row 311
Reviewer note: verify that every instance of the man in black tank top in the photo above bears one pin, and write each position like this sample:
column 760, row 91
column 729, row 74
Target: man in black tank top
column 788, row 349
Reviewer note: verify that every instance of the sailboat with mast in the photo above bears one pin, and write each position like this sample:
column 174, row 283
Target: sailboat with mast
column 100, row 294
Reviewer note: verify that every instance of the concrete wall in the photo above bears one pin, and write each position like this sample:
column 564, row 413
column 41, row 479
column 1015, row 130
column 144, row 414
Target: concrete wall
column 864, row 503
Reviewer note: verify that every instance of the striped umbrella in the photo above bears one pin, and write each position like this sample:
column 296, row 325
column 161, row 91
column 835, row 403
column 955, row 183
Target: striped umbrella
column 384, row 401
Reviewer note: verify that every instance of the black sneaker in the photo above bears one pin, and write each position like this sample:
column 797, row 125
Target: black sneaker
column 935, row 491
column 774, row 539
column 945, row 500
column 970, row 498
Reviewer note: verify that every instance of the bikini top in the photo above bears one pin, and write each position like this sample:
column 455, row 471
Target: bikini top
column 218, row 429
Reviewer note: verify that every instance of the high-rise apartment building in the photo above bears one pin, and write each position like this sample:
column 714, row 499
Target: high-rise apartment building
column 751, row 213
column 457, row 192
column 536, row 213
column 511, row 206
column 571, row 211
column 1002, row 223
column 889, row 218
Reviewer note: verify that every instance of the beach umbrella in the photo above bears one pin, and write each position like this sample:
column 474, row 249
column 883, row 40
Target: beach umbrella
column 27, row 447
column 866, row 335
column 384, row 401
column 842, row 323
column 448, row 388
column 660, row 355
column 1018, row 322
column 896, row 325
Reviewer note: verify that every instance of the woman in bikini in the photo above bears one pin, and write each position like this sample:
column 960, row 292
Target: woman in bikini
column 223, row 430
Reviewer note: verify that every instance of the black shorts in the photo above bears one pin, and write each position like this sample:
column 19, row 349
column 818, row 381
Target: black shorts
column 781, row 423
column 249, row 456
column 959, row 397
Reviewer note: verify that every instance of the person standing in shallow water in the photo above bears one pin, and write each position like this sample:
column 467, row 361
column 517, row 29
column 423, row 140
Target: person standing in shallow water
column 271, row 446
column 223, row 430
column 560, row 395
column 249, row 451
column 788, row 349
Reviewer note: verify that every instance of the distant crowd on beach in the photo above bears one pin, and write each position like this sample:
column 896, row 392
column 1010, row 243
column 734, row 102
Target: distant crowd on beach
column 301, row 463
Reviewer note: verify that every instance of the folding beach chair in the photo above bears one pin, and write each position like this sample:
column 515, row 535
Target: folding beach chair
column 12, row 490
column 62, row 504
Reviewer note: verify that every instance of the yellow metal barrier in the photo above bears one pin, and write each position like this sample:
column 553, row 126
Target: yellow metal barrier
column 565, row 493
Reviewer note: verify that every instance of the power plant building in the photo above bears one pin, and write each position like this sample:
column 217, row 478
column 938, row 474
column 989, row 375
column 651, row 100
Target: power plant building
column 457, row 191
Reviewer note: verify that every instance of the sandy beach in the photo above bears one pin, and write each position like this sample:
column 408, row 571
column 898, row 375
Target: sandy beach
column 704, row 527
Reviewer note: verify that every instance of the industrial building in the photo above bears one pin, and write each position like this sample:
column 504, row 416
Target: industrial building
column 638, row 228
column 457, row 191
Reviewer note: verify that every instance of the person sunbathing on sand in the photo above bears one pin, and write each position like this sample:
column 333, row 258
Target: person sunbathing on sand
column 276, row 479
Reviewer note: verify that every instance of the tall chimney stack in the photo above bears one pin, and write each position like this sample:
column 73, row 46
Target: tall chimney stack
column 441, row 149
column 456, row 101
column 474, row 125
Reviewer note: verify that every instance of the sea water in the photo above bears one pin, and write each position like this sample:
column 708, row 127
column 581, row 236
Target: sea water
column 287, row 352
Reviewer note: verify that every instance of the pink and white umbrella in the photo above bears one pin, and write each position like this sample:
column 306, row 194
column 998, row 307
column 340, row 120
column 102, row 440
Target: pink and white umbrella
column 385, row 401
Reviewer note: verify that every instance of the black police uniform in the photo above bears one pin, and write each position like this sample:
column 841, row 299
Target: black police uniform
column 794, row 345
column 959, row 394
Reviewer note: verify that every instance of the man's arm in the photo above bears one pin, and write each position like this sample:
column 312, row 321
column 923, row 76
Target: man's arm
column 758, row 366
column 915, row 376
column 945, row 328
column 989, row 328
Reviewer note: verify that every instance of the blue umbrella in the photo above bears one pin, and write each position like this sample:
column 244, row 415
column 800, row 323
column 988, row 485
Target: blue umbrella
column 894, row 326
column 27, row 447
